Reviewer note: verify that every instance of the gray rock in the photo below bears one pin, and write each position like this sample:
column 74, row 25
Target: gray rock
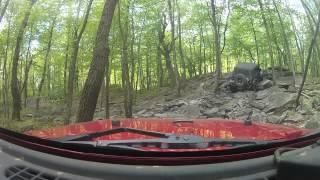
column 273, row 119
column 174, row 104
column 314, row 93
column 263, row 94
column 192, row 111
column 259, row 116
column 29, row 115
column 141, row 112
column 312, row 124
column 257, row 105
column 278, row 101
column 73, row 119
column 214, row 112
column 58, row 119
column 294, row 117
column 284, row 85
column 292, row 89
column 265, row 84
column 168, row 115
column 99, row 115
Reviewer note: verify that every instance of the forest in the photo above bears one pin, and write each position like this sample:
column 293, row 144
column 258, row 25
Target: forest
column 72, row 53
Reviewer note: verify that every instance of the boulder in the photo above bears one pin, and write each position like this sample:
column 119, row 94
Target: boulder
column 259, row 116
column 273, row 119
column 265, row 84
column 211, row 113
column 191, row 111
column 294, row 117
column 263, row 94
column 278, row 101
column 168, row 115
column 314, row 93
column 142, row 112
column 257, row 104
column 174, row 104
column 284, row 85
column 314, row 122
column 29, row 115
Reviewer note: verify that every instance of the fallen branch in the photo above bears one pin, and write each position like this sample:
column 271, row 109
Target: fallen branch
column 305, row 95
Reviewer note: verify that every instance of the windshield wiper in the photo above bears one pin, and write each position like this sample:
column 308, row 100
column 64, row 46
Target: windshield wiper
column 90, row 136
column 160, row 140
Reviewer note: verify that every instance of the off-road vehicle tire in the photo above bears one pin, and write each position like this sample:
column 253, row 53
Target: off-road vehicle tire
column 241, row 82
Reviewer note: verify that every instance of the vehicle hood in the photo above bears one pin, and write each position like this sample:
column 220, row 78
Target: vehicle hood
column 207, row 128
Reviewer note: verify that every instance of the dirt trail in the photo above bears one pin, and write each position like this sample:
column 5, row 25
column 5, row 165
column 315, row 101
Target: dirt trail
column 272, row 105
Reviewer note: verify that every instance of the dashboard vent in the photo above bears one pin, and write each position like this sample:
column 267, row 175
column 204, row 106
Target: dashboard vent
column 26, row 173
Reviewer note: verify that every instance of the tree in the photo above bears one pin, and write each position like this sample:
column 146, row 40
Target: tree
column 286, row 43
column 98, row 65
column 15, row 92
column 126, row 81
column 311, row 47
column 216, row 23
column 77, row 35
column 46, row 61
column 266, row 26
column 3, row 10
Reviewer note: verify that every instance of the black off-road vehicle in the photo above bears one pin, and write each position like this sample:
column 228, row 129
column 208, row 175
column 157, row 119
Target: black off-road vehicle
column 246, row 76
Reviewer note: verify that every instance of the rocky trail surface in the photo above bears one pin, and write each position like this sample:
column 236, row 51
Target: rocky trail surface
column 275, row 104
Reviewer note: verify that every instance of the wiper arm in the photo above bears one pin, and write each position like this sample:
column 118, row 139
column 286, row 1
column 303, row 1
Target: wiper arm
column 160, row 140
column 98, row 144
column 171, row 142
column 89, row 136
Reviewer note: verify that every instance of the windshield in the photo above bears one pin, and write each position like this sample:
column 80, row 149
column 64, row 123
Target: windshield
column 165, row 74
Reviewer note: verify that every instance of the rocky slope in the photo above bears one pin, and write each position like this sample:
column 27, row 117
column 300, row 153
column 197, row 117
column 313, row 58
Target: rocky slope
column 273, row 105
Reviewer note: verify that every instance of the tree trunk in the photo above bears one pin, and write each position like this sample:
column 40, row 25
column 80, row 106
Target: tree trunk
column 255, row 40
column 46, row 62
column 3, row 10
column 16, row 96
column 29, row 58
column 5, row 74
column 148, row 71
column 298, row 43
column 216, row 43
column 107, row 91
column 268, row 36
column 73, row 62
column 200, row 50
column 286, row 44
column 126, row 84
column 90, row 92
column 132, row 43
column 182, row 60
column 65, row 69
column 159, row 67
column 173, row 46
column 166, row 51
column 313, row 43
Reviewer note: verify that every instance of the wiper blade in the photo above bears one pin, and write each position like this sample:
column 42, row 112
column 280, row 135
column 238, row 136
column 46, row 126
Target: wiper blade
column 98, row 144
column 89, row 136
column 172, row 142
column 160, row 140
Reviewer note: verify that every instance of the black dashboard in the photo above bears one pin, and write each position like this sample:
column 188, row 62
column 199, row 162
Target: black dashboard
column 19, row 163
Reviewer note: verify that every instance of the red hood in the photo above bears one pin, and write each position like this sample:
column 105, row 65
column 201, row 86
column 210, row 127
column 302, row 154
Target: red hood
column 207, row 128
column 160, row 155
